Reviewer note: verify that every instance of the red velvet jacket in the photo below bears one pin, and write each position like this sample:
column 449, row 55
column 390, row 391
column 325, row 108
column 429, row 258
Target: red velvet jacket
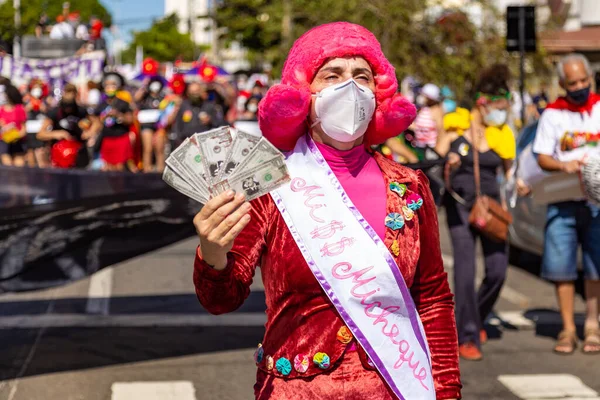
column 300, row 317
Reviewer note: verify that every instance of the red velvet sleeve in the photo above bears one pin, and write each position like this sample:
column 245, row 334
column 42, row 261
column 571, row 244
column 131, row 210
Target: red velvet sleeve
column 223, row 291
column 434, row 301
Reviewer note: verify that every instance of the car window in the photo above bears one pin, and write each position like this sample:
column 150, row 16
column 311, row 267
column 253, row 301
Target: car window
column 526, row 137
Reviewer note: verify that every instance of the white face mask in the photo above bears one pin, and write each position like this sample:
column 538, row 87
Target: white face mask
column 155, row 87
column 496, row 117
column 36, row 92
column 345, row 110
column 253, row 107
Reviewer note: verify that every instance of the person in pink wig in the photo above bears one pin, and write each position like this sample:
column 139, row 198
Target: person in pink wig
column 358, row 303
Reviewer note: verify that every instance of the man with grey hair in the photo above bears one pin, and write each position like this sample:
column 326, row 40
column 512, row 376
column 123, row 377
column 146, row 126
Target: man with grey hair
column 567, row 133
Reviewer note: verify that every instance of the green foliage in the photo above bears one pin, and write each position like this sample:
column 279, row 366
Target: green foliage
column 162, row 41
column 447, row 51
column 31, row 11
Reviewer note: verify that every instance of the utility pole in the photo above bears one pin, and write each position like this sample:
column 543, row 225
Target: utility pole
column 191, row 23
column 17, row 39
column 215, row 50
column 286, row 26
column 522, row 62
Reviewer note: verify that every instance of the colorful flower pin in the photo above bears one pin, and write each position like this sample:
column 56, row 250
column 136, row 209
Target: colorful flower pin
column 301, row 363
column 414, row 201
column 322, row 360
column 344, row 335
column 395, row 248
column 394, row 221
column 259, row 353
column 408, row 213
column 284, row 366
column 399, row 188
column 269, row 363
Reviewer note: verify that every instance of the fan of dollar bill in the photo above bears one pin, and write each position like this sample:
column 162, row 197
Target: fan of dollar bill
column 209, row 163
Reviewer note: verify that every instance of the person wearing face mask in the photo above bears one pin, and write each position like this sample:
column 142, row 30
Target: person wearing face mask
column 567, row 134
column 365, row 224
column 196, row 113
column 13, row 145
column 66, row 130
column 111, row 125
column 36, row 107
column 148, row 99
column 251, row 108
column 485, row 131
column 429, row 122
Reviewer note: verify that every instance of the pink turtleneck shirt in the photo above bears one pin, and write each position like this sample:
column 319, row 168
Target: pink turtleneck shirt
column 362, row 180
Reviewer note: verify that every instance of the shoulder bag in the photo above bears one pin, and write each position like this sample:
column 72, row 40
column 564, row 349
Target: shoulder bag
column 487, row 215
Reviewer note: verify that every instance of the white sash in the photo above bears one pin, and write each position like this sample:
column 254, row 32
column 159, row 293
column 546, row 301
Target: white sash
column 357, row 272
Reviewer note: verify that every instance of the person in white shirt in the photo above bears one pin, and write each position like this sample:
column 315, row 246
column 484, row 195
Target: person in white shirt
column 62, row 30
column 568, row 133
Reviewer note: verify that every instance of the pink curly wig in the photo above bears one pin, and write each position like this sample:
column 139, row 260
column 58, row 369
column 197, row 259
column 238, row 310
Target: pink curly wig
column 283, row 112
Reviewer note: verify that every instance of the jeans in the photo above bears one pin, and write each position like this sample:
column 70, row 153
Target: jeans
column 472, row 307
column 568, row 225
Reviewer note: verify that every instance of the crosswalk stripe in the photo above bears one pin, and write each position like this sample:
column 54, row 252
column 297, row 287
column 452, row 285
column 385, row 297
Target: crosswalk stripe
column 99, row 292
column 174, row 390
column 514, row 318
column 548, row 386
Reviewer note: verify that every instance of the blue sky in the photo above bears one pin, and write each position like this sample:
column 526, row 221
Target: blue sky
column 131, row 15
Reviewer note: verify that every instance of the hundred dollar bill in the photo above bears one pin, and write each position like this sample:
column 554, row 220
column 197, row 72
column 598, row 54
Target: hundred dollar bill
column 261, row 153
column 243, row 143
column 257, row 181
column 181, row 185
column 214, row 146
column 186, row 160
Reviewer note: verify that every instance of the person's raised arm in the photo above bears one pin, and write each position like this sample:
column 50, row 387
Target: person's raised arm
column 232, row 240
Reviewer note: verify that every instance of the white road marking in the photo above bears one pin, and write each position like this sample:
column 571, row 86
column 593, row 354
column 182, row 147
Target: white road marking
column 174, row 390
column 514, row 318
column 99, row 292
column 507, row 293
column 551, row 386
column 131, row 321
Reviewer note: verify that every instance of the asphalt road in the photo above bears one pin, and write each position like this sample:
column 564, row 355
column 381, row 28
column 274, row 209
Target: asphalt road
column 135, row 331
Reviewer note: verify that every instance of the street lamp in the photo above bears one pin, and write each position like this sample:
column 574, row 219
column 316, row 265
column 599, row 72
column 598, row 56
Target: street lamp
column 17, row 39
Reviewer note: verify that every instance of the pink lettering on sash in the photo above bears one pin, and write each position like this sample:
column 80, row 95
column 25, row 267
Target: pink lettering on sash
column 343, row 270
column 298, row 185
column 336, row 248
column 327, row 231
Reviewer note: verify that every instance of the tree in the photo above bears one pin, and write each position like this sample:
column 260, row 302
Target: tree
column 31, row 10
column 162, row 41
column 420, row 38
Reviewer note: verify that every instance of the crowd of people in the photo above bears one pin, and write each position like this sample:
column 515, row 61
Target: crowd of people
column 69, row 25
column 476, row 144
column 116, row 125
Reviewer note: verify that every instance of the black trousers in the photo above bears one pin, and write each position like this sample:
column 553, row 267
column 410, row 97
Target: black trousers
column 472, row 307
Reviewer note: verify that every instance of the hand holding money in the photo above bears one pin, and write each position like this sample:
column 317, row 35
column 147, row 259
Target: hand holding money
column 218, row 224
column 210, row 163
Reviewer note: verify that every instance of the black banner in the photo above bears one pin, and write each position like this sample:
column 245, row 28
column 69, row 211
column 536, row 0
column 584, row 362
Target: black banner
column 57, row 226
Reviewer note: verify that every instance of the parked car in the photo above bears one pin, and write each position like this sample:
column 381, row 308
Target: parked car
column 529, row 219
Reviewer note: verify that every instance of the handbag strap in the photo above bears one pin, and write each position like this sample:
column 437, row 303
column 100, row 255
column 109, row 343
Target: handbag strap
column 449, row 189
column 476, row 172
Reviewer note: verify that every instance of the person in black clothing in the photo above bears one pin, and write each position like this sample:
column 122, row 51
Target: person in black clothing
column 66, row 127
column 196, row 114
column 148, row 98
column 488, row 117
column 112, row 121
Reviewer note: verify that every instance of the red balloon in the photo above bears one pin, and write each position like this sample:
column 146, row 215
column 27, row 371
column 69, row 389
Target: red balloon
column 64, row 153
